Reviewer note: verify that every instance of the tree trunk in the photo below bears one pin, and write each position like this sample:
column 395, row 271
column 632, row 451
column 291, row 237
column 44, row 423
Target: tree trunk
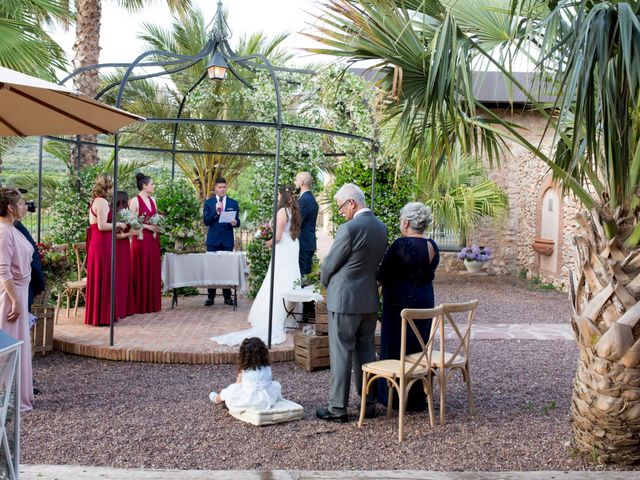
column 87, row 52
column 605, row 406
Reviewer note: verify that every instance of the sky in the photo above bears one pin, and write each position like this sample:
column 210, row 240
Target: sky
column 119, row 28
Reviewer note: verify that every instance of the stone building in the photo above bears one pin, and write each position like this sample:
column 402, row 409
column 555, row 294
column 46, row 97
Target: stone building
column 535, row 238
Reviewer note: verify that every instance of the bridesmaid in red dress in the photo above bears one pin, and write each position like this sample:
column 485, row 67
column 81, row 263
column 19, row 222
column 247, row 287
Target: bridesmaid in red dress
column 98, row 304
column 124, row 283
column 145, row 253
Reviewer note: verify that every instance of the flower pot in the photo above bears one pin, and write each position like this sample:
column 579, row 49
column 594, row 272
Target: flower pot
column 543, row 246
column 473, row 266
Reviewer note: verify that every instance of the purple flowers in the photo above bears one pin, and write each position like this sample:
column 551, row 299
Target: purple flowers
column 475, row 253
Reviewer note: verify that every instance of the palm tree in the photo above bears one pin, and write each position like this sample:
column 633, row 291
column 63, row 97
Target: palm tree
column 25, row 45
column 589, row 50
column 460, row 194
column 86, row 50
column 223, row 100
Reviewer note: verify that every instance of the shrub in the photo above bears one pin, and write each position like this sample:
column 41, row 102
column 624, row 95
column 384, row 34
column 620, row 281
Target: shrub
column 178, row 202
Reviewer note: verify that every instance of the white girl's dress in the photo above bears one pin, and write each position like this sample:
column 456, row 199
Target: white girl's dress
column 257, row 391
column 286, row 274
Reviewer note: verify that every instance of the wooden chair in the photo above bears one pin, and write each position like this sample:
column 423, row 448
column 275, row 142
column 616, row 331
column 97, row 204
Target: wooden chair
column 78, row 286
column 402, row 374
column 453, row 353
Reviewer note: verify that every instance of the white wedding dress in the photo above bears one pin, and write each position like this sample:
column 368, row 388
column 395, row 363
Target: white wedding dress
column 287, row 272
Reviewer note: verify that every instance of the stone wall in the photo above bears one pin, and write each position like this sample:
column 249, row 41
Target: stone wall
column 525, row 178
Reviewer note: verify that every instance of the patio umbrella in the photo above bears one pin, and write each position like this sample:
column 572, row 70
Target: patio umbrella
column 31, row 106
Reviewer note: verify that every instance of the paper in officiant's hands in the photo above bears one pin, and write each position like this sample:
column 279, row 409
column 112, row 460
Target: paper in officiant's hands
column 227, row 216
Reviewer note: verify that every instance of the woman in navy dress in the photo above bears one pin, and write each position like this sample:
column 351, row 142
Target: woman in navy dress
column 406, row 274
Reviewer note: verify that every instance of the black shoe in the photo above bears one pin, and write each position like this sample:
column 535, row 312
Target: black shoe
column 228, row 301
column 36, row 391
column 208, row 302
column 325, row 414
column 370, row 412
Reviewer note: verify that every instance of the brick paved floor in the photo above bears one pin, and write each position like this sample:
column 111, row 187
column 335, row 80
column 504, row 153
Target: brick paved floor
column 180, row 335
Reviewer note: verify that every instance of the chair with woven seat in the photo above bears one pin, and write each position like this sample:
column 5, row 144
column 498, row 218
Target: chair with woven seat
column 78, row 286
column 402, row 374
column 453, row 353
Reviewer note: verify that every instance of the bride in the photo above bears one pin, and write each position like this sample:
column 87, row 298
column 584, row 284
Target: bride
column 287, row 271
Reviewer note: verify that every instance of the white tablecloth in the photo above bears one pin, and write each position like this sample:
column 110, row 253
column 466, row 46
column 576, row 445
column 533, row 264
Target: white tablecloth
column 306, row 294
column 204, row 270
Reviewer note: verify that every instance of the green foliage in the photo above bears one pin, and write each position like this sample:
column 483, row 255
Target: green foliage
column 390, row 195
column 70, row 208
column 178, row 203
column 460, row 194
column 258, row 255
column 536, row 284
column 26, row 46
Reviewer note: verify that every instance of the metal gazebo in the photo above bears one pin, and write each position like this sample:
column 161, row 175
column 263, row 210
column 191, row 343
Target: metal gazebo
column 218, row 56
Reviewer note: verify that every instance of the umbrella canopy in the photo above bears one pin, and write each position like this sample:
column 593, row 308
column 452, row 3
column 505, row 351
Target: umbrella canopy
column 31, row 106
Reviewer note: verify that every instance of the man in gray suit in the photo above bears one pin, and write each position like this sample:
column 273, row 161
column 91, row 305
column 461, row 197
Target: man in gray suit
column 349, row 273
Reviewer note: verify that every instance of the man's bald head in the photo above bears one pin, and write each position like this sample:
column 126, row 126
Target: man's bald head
column 304, row 180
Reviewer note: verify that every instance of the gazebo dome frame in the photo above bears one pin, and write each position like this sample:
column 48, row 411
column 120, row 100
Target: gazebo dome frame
column 216, row 46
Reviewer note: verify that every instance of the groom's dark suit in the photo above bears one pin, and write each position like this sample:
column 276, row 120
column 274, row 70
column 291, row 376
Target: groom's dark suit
column 308, row 216
column 349, row 273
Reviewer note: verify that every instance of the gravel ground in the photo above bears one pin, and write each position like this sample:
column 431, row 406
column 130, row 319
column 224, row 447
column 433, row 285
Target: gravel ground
column 512, row 300
column 102, row 413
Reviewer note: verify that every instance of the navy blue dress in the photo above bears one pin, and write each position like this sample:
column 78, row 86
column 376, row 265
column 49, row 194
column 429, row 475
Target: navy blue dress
column 406, row 275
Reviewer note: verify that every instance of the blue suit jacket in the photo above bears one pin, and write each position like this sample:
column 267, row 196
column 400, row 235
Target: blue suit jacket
column 308, row 217
column 220, row 235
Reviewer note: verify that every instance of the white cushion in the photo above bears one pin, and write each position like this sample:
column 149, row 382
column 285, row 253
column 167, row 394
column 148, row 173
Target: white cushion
column 282, row 411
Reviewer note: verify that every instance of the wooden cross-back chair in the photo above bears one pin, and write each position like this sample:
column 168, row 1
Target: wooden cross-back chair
column 78, row 286
column 402, row 374
column 454, row 352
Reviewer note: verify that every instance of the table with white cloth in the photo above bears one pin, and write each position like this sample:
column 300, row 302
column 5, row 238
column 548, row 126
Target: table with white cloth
column 205, row 270
column 291, row 298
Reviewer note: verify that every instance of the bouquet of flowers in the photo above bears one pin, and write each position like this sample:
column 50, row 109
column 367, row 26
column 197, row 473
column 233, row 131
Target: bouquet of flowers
column 475, row 253
column 157, row 220
column 264, row 232
column 132, row 220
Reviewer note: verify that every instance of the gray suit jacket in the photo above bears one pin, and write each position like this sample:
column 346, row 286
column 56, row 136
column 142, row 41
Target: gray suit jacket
column 349, row 270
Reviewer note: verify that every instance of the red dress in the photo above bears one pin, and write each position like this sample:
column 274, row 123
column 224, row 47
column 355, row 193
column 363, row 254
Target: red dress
column 98, row 304
column 124, row 284
column 145, row 266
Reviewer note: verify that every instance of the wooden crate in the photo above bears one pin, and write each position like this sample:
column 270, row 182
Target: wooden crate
column 311, row 351
column 42, row 332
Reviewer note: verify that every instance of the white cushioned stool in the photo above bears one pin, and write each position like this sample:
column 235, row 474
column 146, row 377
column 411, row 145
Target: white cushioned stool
column 281, row 412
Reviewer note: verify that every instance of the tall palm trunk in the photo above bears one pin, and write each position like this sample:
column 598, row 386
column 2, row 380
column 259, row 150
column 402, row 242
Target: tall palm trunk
column 87, row 52
column 606, row 396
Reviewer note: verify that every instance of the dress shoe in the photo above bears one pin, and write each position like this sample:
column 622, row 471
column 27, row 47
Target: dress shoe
column 325, row 414
column 228, row 301
column 208, row 302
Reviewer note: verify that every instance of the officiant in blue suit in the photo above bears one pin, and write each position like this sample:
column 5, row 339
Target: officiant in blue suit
column 220, row 235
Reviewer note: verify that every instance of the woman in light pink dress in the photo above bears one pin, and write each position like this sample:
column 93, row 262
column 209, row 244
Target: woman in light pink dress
column 15, row 274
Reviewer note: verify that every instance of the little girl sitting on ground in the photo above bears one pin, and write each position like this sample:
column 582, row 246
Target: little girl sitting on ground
column 254, row 387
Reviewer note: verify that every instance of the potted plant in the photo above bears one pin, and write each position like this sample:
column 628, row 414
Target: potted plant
column 474, row 256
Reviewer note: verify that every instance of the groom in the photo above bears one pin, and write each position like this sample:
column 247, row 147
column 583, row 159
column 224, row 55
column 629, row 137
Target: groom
column 220, row 235
column 349, row 273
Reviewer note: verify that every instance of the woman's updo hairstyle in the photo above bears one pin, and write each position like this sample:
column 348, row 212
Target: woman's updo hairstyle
column 418, row 215
column 102, row 186
column 142, row 180
column 9, row 197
